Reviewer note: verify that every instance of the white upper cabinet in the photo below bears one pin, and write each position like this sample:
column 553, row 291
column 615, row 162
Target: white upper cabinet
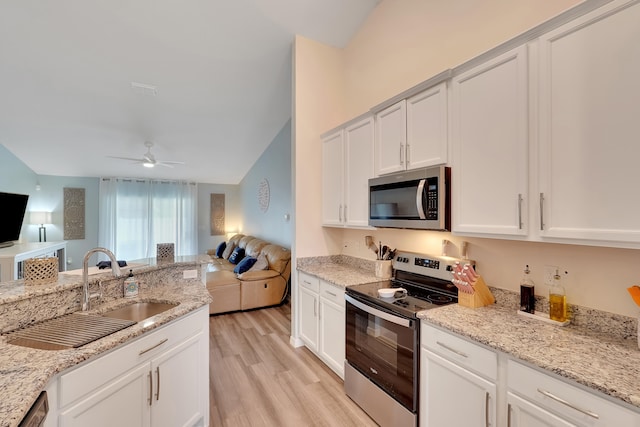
column 412, row 133
column 332, row 178
column 490, row 147
column 589, row 127
column 347, row 165
column 391, row 139
column 427, row 128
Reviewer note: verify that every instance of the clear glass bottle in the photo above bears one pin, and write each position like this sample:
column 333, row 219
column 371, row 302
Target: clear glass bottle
column 527, row 292
column 557, row 300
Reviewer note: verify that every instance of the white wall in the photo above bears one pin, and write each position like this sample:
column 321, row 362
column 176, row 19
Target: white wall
column 274, row 165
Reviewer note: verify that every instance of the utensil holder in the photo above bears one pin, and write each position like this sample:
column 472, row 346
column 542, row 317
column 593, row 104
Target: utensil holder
column 383, row 269
column 481, row 296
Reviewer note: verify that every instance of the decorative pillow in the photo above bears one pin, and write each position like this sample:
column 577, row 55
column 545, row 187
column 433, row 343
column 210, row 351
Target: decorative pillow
column 260, row 264
column 228, row 250
column 244, row 265
column 220, row 249
column 236, row 255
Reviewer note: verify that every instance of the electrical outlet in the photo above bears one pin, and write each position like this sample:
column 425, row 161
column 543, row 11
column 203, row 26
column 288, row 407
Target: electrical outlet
column 549, row 272
column 190, row 274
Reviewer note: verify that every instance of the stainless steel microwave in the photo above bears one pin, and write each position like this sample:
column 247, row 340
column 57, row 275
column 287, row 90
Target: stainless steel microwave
column 417, row 199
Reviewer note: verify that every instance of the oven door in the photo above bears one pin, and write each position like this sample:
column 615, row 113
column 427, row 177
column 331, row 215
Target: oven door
column 383, row 347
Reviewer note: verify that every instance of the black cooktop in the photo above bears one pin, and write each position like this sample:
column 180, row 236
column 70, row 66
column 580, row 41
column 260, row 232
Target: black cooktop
column 429, row 293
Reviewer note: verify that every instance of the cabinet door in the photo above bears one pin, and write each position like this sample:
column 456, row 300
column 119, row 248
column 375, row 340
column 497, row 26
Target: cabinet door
column 589, row 127
column 391, row 139
column 489, row 147
column 122, row 402
column 178, row 385
column 453, row 396
column 358, row 169
column 427, row 128
column 332, row 331
column 522, row 413
column 332, row 180
column 309, row 318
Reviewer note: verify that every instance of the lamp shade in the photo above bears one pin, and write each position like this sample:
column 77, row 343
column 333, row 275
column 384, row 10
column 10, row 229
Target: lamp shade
column 40, row 217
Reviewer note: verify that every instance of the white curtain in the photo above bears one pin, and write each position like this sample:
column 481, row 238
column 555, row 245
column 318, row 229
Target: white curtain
column 136, row 214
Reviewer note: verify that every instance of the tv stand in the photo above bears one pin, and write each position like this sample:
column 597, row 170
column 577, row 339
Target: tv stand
column 12, row 258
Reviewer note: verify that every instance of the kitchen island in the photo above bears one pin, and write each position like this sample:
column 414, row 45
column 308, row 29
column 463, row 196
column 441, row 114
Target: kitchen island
column 25, row 372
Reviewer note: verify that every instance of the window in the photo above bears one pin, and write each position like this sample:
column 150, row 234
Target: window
column 137, row 214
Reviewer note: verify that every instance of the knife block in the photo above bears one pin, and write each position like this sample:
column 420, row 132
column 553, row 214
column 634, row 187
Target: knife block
column 481, row 296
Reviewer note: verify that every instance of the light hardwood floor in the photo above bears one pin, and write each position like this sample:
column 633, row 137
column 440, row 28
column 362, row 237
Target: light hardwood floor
column 257, row 379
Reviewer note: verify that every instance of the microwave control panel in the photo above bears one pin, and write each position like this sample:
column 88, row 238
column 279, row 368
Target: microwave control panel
column 432, row 198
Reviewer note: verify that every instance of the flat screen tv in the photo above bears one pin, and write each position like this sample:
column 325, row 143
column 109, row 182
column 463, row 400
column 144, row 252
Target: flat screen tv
column 13, row 207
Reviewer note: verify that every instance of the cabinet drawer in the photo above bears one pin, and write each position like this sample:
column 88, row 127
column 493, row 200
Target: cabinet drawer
column 471, row 356
column 568, row 401
column 332, row 293
column 95, row 373
column 310, row 282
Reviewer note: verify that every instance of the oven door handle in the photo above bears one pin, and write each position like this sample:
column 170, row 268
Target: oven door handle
column 379, row 313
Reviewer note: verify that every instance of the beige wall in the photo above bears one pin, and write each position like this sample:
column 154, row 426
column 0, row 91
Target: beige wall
column 402, row 43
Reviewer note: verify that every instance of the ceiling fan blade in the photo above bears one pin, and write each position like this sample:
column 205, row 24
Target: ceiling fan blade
column 166, row 165
column 127, row 158
column 169, row 162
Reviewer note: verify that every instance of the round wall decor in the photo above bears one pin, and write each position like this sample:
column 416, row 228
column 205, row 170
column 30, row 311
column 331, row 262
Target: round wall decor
column 263, row 195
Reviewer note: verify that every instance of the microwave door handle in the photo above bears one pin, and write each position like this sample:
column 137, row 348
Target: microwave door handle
column 419, row 194
column 378, row 313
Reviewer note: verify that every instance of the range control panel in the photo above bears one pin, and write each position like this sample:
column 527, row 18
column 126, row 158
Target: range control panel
column 428, row 265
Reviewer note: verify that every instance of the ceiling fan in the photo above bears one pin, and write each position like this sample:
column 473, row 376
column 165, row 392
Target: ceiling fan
column 148, row 160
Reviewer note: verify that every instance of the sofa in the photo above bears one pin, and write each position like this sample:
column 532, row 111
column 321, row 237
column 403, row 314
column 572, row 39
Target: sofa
column 264, row 284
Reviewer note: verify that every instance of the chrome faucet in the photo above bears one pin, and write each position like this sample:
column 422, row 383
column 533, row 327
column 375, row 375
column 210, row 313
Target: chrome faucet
column 115, row 269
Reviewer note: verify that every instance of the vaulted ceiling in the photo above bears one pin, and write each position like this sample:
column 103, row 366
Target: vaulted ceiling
column 207, row 81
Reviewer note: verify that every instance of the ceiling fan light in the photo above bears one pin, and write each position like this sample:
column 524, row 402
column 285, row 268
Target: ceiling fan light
column 148, row 164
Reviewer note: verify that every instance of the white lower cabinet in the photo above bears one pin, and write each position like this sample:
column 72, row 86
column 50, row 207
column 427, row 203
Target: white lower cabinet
column 465, row 384
column 457, row 381
column 322, row 320
column 160, row 379
column 537, row 399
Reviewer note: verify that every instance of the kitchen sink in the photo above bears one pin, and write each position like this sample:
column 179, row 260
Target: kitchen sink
column 139, row 310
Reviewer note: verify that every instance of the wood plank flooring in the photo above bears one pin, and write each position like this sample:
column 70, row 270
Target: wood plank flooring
column 257, row 379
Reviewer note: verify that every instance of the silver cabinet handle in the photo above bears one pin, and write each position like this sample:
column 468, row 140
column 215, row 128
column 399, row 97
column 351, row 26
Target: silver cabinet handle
column 331, row 293
column 315, row 309
column 564, row 402
column 401, row 156
column 155, row 346
column 541, row 211
column 158, row 388
column 345, row 213
column 150, row 389
column 509, row 415
column 520, row 211
column 340, row 213
column 486, row 409
column 408, row 154
column 458, row 352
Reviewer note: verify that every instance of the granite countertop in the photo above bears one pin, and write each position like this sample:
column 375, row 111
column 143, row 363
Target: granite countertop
column 25, row 372
column 604, row 362
column 339, row 270
column 598, row 350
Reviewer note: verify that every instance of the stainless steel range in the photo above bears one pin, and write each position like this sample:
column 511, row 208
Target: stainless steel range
column 383, row 335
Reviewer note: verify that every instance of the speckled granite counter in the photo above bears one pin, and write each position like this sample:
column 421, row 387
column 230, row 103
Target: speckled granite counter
column 24, row 372
column 605, row 362
column 340, row 270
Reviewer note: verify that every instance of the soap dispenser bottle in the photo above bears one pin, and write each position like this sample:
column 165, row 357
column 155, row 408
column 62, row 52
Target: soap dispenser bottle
column 557, row 300
column 130, row 286
column 527, row 294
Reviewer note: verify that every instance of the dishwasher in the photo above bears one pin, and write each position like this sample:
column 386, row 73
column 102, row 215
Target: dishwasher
column 37, row 413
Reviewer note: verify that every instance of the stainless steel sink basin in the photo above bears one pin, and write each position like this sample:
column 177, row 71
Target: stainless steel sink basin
column 139, row 310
